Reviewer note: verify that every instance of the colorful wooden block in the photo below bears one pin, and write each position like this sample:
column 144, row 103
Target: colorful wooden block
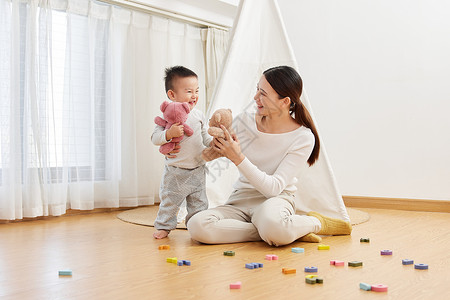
column 379, row 288
column 337, row 262
column 365, row 286
column 421, row 266
column 65, row 272
column 236, row 285
column 164, row 247
column 364, row 240
column 271, row 257
column 180, row 263
column 229, row 253
column 407, row 261
column 386, row 252
column 289, row 271
column 187, row 262
column 173, row 260
column 298, row 250
column 254, row 265
column 311, row 279
column 355, row 263
column 323, row 247
column 311, row 269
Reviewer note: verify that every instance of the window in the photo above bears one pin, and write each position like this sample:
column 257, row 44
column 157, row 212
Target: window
column 55, row 116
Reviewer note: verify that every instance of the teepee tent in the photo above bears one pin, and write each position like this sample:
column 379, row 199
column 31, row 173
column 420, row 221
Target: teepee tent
column 259, row 41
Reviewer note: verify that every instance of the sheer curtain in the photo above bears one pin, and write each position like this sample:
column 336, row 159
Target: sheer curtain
column 215, row 45
column 80, row 84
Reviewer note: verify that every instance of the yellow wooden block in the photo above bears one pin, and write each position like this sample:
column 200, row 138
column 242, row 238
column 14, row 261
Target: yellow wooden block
column 323, row 247
column 172, row 260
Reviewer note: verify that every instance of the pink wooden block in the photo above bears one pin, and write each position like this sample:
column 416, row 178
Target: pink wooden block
column 379, row 288
column 337, row 262
column 274, row 257
column 269, row 256
column 236, row 285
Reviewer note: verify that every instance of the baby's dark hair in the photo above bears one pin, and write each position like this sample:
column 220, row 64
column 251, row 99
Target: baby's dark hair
column 176, row 72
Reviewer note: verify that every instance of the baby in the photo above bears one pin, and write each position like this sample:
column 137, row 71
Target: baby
column 184, row 174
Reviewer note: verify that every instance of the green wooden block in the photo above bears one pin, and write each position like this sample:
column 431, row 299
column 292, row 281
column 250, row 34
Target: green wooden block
column 364, row 240
column 65, row 273
column 319, row 280
column 229, row 253
column 355, row 263
column 310, row 280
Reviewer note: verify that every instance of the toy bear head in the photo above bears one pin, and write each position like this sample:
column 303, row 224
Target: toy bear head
column 221, row 116
column 175, row 112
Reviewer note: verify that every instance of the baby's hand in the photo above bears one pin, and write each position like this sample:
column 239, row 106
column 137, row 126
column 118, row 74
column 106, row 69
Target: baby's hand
column 175, row 150
column 174, row 131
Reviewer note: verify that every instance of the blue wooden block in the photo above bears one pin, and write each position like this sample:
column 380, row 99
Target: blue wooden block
column 260, row 265
column 311, row 269
column 65, row 273
column 250, row 266
column 386, row 252
column 187, row 262
column 365, row 286
column 298, row 250
column 180, row 262
column 407, row 261
column 421, row 266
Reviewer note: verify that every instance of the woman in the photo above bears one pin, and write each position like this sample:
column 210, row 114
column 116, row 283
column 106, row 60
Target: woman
column 278, row 143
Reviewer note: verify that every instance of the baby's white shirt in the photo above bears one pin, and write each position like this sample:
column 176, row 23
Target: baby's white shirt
column 192, row 146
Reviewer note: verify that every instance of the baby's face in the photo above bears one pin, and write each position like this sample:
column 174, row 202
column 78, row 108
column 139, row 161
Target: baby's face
column 185, row 90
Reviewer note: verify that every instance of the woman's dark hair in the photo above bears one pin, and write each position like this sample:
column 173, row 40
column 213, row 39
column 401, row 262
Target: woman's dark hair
column 287, row 83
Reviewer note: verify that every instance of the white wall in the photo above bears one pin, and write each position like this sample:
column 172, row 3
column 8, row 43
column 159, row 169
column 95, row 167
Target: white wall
column 377, row 74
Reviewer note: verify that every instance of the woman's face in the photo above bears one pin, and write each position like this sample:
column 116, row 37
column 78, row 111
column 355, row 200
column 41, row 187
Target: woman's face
column 267, row 100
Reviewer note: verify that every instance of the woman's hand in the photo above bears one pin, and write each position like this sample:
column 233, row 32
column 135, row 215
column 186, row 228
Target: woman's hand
column 229, row 147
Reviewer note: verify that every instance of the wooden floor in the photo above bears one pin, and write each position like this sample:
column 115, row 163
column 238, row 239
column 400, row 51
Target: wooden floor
column 111, row 259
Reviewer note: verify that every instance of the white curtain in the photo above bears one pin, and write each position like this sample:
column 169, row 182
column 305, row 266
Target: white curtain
column 80, row 84
column 215, row 45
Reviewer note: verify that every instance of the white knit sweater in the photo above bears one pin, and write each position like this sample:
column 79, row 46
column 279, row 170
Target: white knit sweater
column 272, row 160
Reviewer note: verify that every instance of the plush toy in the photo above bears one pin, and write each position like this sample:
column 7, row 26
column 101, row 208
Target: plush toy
column 220, row 117
column 173, row 112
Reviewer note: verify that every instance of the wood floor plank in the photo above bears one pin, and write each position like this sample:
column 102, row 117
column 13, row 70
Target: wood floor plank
column 112, row 259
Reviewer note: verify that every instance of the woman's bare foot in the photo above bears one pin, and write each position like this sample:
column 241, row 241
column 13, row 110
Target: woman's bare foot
column 160, row 234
